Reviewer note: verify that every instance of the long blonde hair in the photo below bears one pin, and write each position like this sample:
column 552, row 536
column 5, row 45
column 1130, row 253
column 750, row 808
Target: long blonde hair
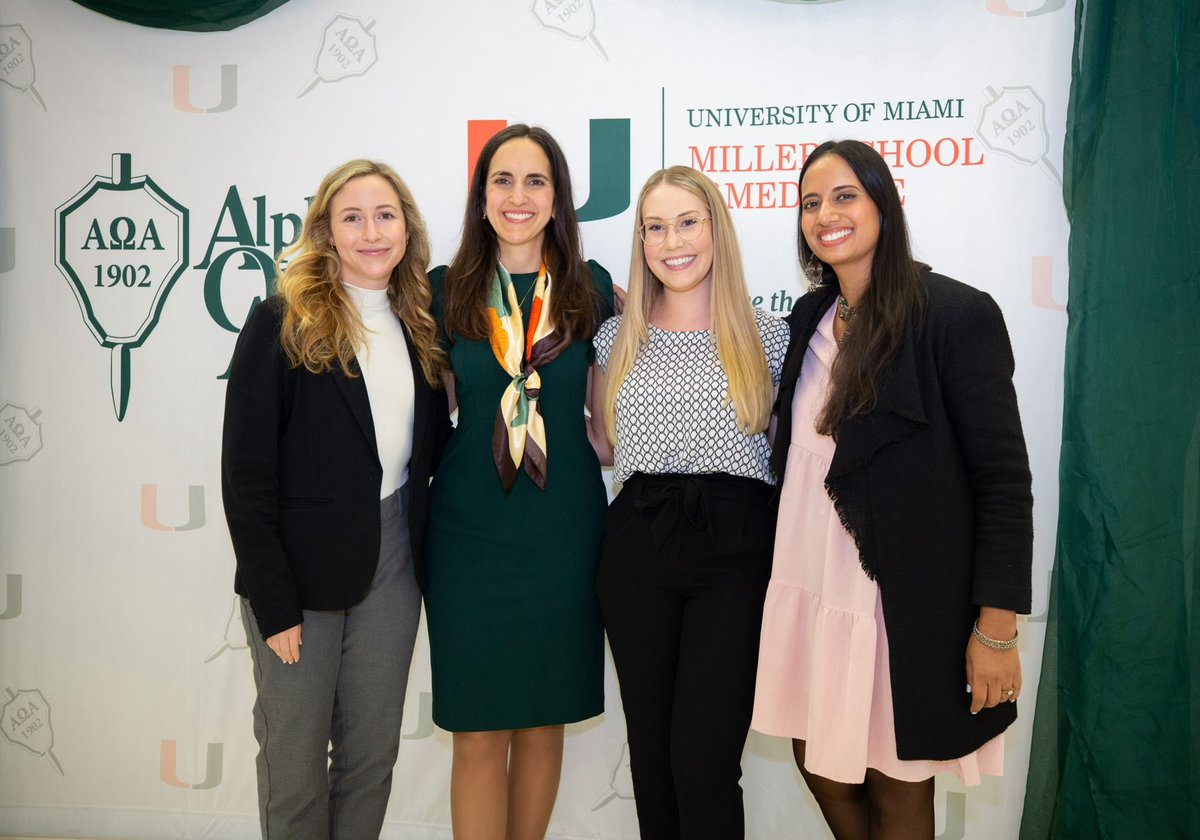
column 739, row 345
column 320, row 323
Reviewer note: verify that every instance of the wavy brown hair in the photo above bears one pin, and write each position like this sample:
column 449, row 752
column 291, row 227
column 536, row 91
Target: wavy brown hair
column 321, row 326
column 895, row 290
column 575, row 303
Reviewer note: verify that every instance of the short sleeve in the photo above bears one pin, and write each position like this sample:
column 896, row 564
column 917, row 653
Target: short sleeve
column 775, row 336
column 603, row 342
column 602, row 281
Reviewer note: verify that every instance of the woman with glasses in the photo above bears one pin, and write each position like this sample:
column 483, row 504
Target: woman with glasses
column 516, row 645
column 688, row 373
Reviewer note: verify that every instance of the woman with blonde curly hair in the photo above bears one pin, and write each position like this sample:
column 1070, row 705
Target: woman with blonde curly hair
column 334, row 421
column 688, row 374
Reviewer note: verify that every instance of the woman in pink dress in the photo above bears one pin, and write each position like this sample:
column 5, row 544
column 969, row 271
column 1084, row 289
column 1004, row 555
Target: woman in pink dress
column 904, row 540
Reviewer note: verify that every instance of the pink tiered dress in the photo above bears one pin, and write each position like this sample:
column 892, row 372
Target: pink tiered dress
column 823, row 663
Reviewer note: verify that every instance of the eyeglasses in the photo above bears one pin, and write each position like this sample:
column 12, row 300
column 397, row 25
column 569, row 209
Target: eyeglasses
column 687, row 229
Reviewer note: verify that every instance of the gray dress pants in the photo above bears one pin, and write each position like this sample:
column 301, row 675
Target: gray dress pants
column 328, row 727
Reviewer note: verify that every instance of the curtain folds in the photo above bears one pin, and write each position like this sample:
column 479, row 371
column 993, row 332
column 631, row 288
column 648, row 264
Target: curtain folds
column 1116, row 740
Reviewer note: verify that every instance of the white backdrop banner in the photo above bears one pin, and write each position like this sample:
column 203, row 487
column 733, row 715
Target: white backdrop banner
column 150, row 176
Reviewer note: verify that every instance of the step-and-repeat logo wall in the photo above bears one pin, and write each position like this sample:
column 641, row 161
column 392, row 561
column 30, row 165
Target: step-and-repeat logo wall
column 149, row 190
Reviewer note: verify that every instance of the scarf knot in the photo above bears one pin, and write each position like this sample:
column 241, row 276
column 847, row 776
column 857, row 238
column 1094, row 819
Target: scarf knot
column 519, row 435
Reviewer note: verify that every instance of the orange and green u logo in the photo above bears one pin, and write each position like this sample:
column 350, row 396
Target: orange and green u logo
column 608, row 193
column 214, row 760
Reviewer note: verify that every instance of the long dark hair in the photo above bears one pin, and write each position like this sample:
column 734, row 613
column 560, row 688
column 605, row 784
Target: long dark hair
column 895, row 290
column 575, row 300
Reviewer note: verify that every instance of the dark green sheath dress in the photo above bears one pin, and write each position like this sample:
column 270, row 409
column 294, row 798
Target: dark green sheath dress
column 514, row 628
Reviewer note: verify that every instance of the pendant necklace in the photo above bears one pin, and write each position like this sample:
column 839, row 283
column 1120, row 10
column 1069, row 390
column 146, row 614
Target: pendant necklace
column 845, row 313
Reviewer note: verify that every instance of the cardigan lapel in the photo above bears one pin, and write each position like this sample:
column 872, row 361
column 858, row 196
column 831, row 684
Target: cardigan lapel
column 899, row 412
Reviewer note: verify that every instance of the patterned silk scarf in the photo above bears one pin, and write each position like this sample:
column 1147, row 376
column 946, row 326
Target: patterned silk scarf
column 519, row 437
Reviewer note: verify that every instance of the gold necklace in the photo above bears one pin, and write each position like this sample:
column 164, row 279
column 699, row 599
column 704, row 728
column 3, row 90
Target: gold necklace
column 528, row 292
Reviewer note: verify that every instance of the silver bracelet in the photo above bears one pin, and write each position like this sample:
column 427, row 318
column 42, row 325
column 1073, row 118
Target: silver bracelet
column 994, row 644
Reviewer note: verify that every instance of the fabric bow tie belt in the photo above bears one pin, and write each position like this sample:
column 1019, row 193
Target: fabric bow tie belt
column 673, row 501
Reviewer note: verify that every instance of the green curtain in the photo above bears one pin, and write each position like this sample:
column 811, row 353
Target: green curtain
column 192, row 15
column 1116, row 734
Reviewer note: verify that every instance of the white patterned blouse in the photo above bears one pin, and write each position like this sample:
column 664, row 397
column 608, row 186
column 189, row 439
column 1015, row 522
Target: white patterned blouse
column 672, row 414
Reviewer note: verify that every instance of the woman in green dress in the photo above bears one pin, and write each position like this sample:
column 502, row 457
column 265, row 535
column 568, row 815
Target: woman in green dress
column 517, row 504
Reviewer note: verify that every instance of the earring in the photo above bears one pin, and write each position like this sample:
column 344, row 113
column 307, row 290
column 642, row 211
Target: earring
column 814, row 272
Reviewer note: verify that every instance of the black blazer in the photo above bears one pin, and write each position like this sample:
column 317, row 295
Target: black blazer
column 934, row 486
column 300, row 477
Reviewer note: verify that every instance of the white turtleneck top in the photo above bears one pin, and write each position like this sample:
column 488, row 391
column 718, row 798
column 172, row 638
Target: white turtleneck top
column 387, row 371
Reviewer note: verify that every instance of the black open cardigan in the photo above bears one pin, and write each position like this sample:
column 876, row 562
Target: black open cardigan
column 934, row 486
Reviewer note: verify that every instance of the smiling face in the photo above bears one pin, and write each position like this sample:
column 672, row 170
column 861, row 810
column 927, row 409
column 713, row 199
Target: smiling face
column 368, row 231
column 681, row 266
column 519, row 199
column 839, row 220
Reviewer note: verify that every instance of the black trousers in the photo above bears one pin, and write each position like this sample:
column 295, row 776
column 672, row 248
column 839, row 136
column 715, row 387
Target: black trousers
column 682, row 578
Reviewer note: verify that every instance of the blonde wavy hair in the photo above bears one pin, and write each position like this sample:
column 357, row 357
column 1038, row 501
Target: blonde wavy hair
column 739, row 345
column 320, row 323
